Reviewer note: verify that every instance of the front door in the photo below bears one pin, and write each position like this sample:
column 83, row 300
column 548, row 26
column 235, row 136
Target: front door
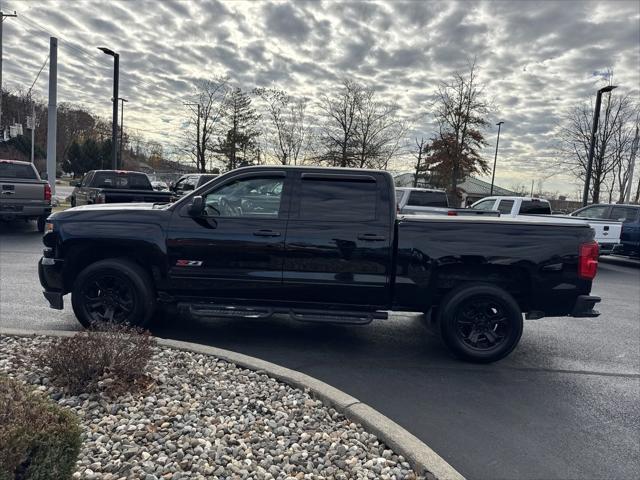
column 235, row 249
column 338, row 248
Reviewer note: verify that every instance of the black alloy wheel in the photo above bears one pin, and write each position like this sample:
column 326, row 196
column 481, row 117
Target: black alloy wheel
column 480, row 323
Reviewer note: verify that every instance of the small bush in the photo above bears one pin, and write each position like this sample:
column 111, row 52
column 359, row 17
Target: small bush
column 38, row 439
column 109, row 357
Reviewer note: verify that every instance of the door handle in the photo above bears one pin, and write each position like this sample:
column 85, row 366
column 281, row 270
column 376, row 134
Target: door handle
column 371, row 237
column 8, row 192
column 266, row 233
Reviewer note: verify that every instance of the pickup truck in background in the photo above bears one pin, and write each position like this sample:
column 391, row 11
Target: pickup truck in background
column 318, row 245
column 429, row 201
column 607, row 232
column 116, row 186
column 628, row 214
column 23, row 195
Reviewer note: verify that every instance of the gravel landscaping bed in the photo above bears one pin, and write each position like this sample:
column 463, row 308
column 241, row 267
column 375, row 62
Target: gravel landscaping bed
column 203, row 418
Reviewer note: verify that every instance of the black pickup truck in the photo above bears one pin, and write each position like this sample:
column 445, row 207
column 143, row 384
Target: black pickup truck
column 319, row 245
column 116, row 186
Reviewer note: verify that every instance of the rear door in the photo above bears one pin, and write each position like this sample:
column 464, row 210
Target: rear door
column 338, row 245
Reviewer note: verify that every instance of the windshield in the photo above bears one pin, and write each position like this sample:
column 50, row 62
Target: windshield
column 17, row 170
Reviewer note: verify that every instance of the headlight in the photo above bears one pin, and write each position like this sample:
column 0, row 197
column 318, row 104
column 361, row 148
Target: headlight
column 48, row 227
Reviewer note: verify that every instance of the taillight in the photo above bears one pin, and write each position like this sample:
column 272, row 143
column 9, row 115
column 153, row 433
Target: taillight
column 47, row 192
column 588, row 260
column 452, row 213
column 100, row 198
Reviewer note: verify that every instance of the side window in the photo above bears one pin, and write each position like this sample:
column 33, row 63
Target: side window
column 598, row 211
column 484, row 205
column 534, row 207
column 505, row 206
column 624, row 214
column 246, row 197
column 340, row 200
column 86, row 180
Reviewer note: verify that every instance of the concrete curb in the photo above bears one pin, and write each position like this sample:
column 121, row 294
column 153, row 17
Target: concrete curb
column 422, row 458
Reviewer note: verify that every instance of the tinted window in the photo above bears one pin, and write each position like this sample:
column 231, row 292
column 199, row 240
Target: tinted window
column 130, row 181
column 205, row 178
column 624, row 214
column 247, row 197
column 338, row 200
column 534, row 207
column 505, row 206
column 598, row 211
column 427, row 199
column 17, row 170
column 484, row 205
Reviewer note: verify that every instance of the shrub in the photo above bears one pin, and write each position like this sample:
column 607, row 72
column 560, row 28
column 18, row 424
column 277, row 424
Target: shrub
column 39, row 440
column 108, row 357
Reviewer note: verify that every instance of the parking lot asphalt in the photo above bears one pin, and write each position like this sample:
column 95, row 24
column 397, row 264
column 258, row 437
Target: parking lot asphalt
column 565, row 404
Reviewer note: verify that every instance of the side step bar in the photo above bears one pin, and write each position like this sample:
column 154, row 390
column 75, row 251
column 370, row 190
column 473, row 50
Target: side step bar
column 346, row 317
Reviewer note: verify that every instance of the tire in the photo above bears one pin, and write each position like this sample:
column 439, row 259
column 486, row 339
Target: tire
column 115, row 290
column 73, row 201
column 480, row 323
column 40, row 223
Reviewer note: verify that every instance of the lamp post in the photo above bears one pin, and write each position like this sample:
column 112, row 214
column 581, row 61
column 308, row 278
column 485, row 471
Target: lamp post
column 122, row 128
column 114, row 126
column 495, row 159
column 592, row 146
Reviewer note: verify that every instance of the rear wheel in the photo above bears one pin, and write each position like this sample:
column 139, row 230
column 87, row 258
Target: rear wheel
column 480, row 323
column 113, row 290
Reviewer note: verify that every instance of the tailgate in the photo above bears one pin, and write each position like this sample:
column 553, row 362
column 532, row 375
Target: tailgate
column 135, row 196
column 606, row 231
column 21, row 190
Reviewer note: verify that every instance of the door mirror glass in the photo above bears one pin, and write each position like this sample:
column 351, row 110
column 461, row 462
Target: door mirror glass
column 196, row 208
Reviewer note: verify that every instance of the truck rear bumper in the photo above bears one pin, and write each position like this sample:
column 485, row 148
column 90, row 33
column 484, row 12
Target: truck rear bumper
column 50, row 273
column 584, row 306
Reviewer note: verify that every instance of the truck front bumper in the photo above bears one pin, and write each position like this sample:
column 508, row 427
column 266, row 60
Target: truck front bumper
column 50, row 273
column 584, row 306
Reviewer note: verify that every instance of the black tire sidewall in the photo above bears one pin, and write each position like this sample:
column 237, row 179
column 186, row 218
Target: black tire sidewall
column 40, row 223
column 144, row 298
column 448, row 330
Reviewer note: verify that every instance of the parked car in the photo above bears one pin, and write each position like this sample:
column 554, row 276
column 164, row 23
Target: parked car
column 421, row 201
column 320, row 245
column 159, row 185
column 23, row 194
column 629, row 215
column 188, row 183
column 607, row 232
column 116, row 186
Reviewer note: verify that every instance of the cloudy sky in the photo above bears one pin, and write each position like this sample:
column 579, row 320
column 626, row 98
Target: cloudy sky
column 536, row 58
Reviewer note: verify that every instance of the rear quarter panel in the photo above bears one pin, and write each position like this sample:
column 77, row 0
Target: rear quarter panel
column 536, row 263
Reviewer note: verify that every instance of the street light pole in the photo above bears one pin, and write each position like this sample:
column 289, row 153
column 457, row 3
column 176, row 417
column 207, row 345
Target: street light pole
column 592, row 146
column 495, row 159
column 122, row 128
column 114, row 126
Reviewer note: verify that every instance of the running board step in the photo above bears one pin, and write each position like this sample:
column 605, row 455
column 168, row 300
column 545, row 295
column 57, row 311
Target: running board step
column 211, row 310
column 224, row 311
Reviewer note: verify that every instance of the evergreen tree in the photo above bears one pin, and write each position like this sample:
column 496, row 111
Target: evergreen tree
column 239, row 147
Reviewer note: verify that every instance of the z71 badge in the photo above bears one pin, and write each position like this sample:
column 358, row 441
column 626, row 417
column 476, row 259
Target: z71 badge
column 188, row 263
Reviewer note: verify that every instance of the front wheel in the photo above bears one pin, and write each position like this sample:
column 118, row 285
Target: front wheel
column 113, row 290
column 42, row 219
column 480, row 323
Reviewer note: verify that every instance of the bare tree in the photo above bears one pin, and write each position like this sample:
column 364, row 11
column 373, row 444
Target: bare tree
column 421, row 153
column 205, row 121
column 460, row 110
column 339, row 130
column 288, row 135
column 377, row 131
column 612, row 143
